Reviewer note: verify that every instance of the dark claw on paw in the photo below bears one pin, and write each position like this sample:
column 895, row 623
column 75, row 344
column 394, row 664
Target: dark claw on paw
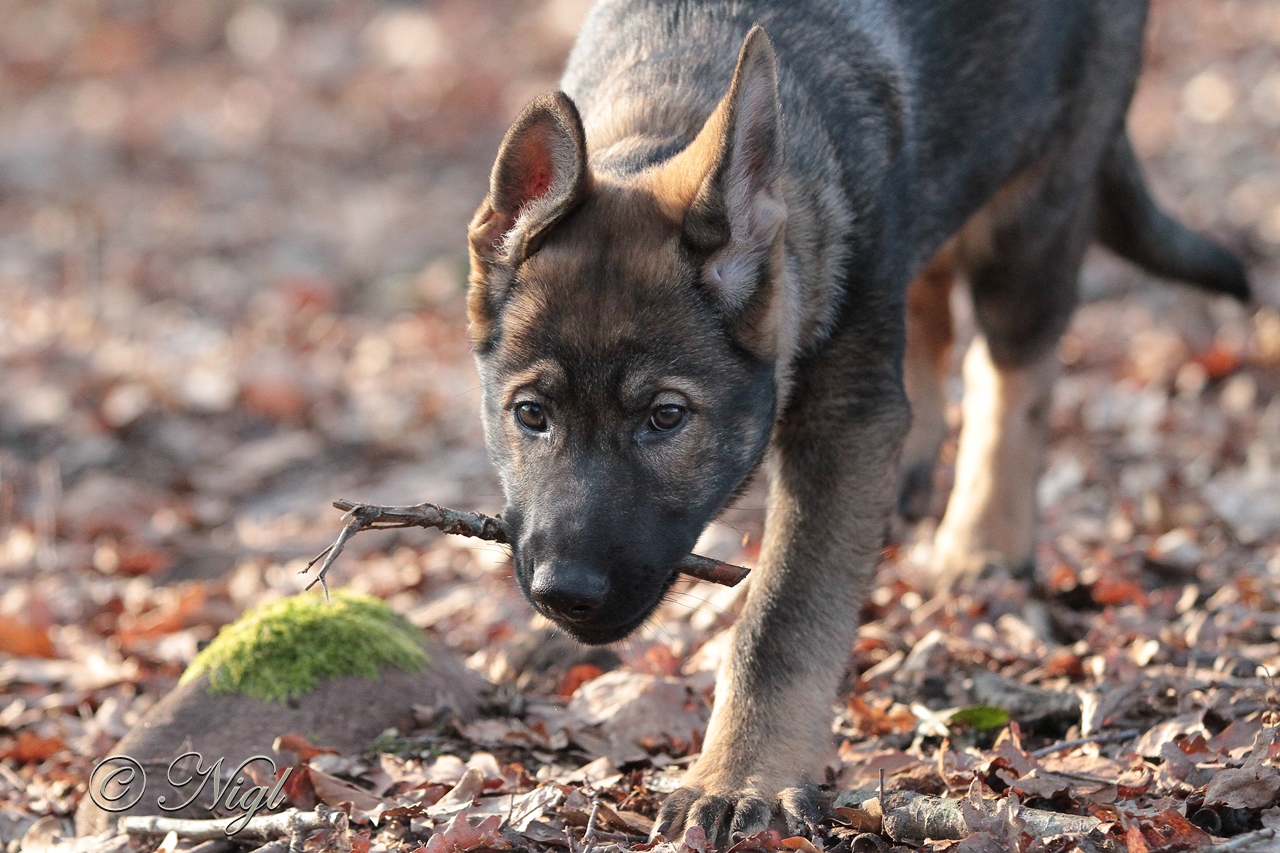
column 724, row 816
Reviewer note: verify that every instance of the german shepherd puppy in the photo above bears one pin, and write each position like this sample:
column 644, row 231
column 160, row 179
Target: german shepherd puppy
column 695, row 257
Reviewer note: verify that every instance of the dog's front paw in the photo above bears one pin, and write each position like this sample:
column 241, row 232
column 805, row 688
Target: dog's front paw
column 724, row 813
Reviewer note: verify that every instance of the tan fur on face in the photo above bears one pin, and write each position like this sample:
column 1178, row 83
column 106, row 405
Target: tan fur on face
column 990, row 518
column 727, row 190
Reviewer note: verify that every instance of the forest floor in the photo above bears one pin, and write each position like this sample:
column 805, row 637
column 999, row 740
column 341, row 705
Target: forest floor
column 231, row 270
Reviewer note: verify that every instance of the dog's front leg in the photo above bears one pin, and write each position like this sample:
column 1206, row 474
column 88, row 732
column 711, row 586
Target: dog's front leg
column 830, row 496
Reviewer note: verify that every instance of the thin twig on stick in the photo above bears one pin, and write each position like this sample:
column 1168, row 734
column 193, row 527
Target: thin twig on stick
column 370, row 517
column 589, row 837
column 1101, row 737
column 265, row 827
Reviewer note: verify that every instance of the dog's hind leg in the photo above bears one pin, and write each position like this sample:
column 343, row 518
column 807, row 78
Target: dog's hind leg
column 1022, row 256
column 924, row 372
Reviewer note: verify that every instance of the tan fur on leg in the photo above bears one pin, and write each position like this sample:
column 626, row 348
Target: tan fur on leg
column 990, row 518
column 929, row 339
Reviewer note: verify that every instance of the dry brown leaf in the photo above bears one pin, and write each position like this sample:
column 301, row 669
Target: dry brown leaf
column 300, row 746
column 1253, row 786
column 1240, row 734
column 995, row 823
column 1170, row 831
column 459, row 836
column 1219, row 361
column 804, row 845
column 462, row 796
column 1135, row 842
column 576, row 677
column 1153, row 739
column 862, row 770
column 30, row 748
column 25, row 640
column 886, row 717
column 767, row 840
column 638, row 713
column 335, row 792
column 867, row 818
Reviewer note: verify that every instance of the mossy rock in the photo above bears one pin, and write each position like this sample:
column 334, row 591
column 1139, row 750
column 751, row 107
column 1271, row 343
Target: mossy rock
column 338, row 672
column 283, row 650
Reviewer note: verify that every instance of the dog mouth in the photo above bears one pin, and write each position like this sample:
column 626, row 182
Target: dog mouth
column 610, row 626
column 597, row 634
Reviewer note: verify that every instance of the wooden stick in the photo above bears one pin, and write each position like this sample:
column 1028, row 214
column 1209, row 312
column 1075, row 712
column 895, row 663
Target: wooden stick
column 1243, row 842
column 909, row 816
column 264, row 827
column 370, row 517
column 1102, row 737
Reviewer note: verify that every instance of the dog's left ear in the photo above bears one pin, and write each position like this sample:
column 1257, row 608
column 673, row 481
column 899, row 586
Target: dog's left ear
column 540, row 174
column 724, row 185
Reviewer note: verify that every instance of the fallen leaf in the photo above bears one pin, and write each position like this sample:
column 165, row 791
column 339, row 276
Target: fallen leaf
column 1109, row 591
column 335, row 792
column 462, row 796
column 769, row 839
column 637, row 713
column 542, row 832
column 1218, row 361
column 25, row 640
column 980, row 718
column 1169, row 830
column 30, row 748
column 1153, row 739
column 695, row 840
column 1239, row 734
column 576, row 677
column 868, row 818
column 1253, row 786
column 995, row 823
column 1134, row 840
column 799, row 842
column 459, row 836
column 298, row 788
column 300, row 746
column 884, row 718
column 521, row 810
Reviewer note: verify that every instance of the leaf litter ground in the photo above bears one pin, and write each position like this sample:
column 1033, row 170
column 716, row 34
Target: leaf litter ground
column 231, row 292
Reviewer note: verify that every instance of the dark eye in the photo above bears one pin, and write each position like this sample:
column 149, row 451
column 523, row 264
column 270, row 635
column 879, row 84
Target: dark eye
column 531, row 416
column 666, row 418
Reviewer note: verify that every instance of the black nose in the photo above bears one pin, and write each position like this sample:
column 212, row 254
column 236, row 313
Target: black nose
column 569, row 589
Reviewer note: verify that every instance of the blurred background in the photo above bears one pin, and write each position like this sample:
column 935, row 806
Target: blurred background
column 232, row 261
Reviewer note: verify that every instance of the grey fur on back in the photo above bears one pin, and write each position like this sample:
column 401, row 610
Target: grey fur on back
column 924, row 118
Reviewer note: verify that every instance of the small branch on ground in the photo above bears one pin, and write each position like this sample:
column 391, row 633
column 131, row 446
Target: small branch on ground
column 1244, row 842
column 907, row 816
column 589, row 837
column 369, row 517
column 1102, row 737
column 265, row 827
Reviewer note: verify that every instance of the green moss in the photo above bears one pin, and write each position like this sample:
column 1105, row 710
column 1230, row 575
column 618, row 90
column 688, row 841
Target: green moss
column 284, row 649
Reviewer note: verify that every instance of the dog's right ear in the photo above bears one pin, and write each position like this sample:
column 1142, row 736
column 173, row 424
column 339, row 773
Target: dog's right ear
column 724, row 191
column 539, row 175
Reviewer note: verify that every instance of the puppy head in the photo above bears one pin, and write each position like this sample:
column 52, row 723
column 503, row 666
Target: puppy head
column 626, row 333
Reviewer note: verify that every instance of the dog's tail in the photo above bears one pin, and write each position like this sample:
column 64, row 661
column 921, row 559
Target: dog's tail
column 1130, row 224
